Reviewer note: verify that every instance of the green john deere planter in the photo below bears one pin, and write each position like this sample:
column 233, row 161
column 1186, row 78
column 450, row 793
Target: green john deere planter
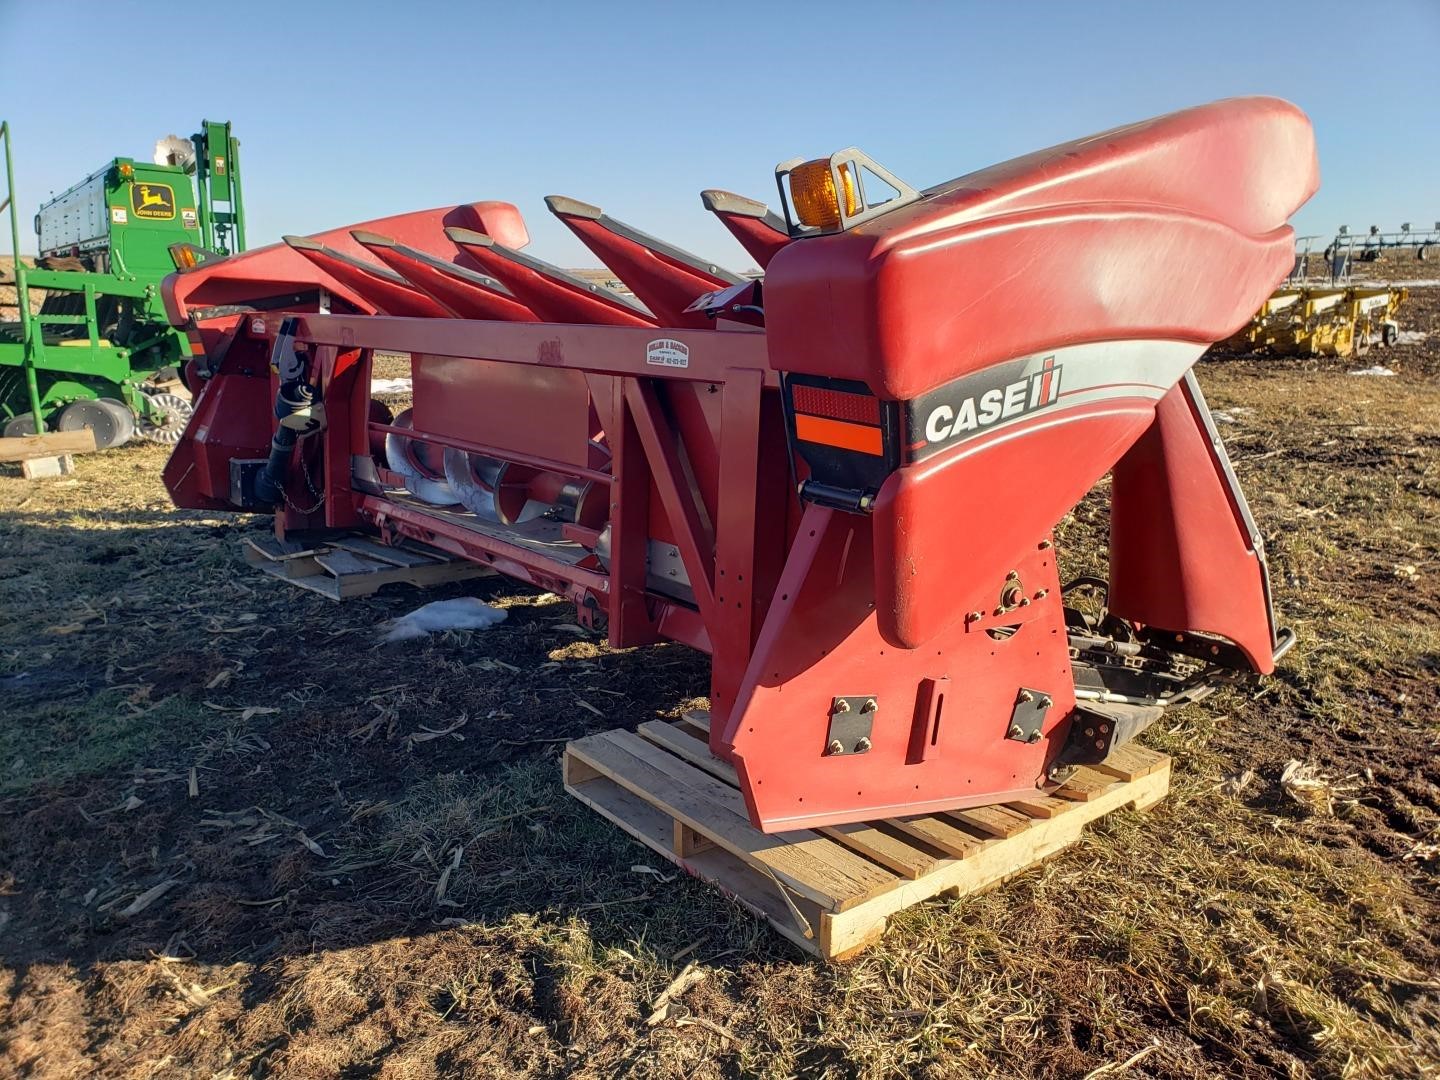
column 100, row 353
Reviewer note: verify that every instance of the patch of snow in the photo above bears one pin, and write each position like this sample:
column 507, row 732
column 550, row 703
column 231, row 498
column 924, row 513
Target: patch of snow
column 1423, row 283
column 461, row 613
column 1220, row 416
column 1410, row 337
column 390, row 386
column 1377, row 369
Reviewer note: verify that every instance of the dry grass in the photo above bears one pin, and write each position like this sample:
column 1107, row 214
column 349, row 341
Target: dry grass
column 345, row 900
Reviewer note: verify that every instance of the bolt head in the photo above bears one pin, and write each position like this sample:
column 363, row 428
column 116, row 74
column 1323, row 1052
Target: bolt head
column 1026, row 695
column 861, row 745
column 1034, row 736
column 1045, row 701
column 1016, row 731
column 841, row 705
column 870, row 705
column 835, row 747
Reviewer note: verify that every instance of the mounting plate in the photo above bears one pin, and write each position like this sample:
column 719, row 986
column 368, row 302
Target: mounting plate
column 1028, row 717
column 244, row 472
column 851, row 720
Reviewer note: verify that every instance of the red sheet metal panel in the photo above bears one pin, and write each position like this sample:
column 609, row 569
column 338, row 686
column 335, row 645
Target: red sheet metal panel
column 1173, row 228
column 545, row 410
column 1181, row 554
column 822, row 639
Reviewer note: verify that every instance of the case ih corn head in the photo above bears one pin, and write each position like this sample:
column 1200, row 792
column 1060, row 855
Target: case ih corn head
column 840, row 479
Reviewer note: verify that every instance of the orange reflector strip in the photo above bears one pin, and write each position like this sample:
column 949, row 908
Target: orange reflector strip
column 817, row 429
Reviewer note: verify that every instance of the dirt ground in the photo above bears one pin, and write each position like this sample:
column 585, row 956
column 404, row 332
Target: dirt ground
column 350, row 894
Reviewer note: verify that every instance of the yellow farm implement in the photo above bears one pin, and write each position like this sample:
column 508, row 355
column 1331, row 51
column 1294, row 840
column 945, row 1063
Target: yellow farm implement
column 1301, row 320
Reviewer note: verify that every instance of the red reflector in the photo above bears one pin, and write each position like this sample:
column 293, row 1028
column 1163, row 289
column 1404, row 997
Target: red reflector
column 836, row 404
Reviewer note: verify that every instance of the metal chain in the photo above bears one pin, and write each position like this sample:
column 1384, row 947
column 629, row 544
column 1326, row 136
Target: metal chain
column 309, row 483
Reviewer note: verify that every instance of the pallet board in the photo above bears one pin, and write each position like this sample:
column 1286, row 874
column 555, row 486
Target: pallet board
column 350, row 566
column 831, row 890
column 51, row 444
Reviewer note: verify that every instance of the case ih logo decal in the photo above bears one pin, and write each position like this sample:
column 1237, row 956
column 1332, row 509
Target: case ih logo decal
column 970, row 406
column 667, row 352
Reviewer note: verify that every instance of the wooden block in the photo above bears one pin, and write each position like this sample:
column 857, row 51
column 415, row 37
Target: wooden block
column 1131, row 761
column 47, row 445
column 42, row 468
column 392, row 556
column 699, row 718
column 349, row 567
column 342, row 563
column 1085, row 784
column 287, row 566
column 794, row 917
column 939, row 833
column 687, row 842
column 907, row 860
column 1042, row 806
column 277, row 550
column 994, row 820
column 688, row 748
column 992, row 863
column 574, row 771
column 811, row 865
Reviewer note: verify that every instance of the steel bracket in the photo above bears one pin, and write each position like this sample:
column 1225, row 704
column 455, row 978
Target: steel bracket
column 1027, row 719
column 243, row 474
column 851, row 721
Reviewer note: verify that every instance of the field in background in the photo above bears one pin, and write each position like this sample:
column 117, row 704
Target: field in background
column 238, row 838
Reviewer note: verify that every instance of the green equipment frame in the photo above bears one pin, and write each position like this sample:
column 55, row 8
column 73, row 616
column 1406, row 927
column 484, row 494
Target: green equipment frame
column 59, row 368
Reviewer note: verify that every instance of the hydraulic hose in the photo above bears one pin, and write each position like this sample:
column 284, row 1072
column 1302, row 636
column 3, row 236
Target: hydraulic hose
column 296, row 409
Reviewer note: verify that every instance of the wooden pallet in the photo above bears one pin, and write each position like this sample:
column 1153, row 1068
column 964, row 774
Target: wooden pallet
column 49, row 454
column 350, row 566
column 831, row 890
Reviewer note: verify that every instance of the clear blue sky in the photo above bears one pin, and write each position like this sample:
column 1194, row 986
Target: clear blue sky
column 348, row 111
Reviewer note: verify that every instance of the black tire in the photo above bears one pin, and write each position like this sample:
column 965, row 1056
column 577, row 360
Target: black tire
column 111, row 422
column 1423, row 252
column 19, row 426
column 1389, row 334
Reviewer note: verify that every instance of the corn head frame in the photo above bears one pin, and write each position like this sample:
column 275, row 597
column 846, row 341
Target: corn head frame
column 840, row 478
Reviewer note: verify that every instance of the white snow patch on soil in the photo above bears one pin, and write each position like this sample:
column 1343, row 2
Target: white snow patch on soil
column 461, row 613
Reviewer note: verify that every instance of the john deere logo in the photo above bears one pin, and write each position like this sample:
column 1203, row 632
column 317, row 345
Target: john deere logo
column 153, row 201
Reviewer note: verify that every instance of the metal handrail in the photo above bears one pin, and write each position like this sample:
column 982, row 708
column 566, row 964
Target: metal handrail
column 22, row 289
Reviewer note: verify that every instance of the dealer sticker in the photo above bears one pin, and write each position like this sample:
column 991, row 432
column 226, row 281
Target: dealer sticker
column 667, row 352
column 118, row 215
